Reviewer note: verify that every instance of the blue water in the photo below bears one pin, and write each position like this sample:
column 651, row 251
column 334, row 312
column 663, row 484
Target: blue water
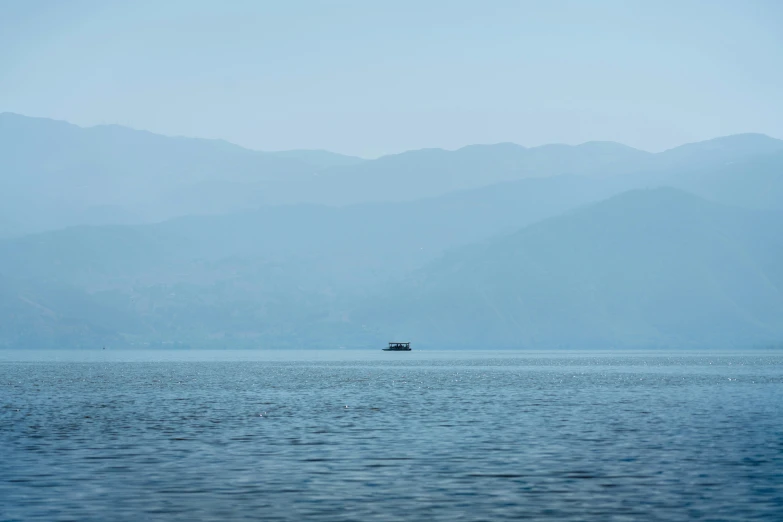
column 390, row 436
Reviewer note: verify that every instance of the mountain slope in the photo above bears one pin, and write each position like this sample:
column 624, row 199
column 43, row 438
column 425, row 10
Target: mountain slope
column 432, row 172
column 320, row 159
column 346, row 246
column 646, row 268
column 719, row 151
column 50, row 315
column 280, row 275
column 657, row 268
column 755, row 182
column 54, row 173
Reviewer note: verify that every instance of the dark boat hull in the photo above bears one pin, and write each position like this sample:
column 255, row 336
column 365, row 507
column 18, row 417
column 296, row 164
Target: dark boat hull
column 396, row 349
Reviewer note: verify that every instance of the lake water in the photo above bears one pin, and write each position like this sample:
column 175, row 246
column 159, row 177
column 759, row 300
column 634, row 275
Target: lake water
column 390, row 436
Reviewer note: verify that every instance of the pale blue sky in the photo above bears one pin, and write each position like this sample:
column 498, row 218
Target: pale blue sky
column 374, row 77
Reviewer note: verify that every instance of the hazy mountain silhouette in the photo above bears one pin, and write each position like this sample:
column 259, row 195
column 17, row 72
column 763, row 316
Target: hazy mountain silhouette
column 718, row 151
column 320, row 159
column 352, row 243
column 54, row 174
column 277, row 274
column 750, row 182
column 310, row 248
column 645, row 268
column 39, row 314
column 432, row 172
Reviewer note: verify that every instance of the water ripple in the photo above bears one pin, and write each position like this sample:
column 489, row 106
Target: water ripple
column 494, row 438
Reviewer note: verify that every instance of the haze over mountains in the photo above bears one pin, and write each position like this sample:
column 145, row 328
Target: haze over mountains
column 126, row 238
column 647, row 267
column 55, row 174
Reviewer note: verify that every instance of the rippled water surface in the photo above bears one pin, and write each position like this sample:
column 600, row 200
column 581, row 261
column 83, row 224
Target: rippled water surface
column 347, row 436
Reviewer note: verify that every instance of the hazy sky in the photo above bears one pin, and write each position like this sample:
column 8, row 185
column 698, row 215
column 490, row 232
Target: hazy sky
column 374, row 77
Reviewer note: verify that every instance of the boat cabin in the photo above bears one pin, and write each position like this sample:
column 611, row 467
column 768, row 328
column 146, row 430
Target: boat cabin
column 397, row 347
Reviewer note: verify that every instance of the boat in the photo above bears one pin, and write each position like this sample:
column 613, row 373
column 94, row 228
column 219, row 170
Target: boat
column 398, row 347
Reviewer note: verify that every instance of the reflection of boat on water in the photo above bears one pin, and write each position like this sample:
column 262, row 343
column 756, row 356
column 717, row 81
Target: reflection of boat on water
column 398, row 347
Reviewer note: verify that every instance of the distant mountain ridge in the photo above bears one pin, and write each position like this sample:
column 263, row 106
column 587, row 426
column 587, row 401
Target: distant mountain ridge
column 318, row 158
column 653, row 268
column 357, row 236
column 54, row 174
column 725, row 148
column 115, row 236
column 645, row 269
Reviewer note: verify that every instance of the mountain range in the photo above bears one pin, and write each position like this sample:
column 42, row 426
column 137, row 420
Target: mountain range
column 647, row 268
column 126, row 238
column 55, row 174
